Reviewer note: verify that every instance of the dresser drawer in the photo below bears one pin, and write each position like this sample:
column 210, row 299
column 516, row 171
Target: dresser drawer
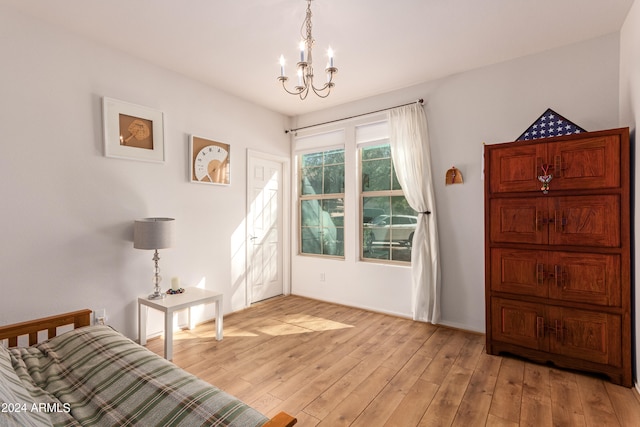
column 563, row 276
column 571, row 220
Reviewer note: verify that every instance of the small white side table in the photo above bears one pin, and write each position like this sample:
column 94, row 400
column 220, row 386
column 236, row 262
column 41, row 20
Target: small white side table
column 169, row 305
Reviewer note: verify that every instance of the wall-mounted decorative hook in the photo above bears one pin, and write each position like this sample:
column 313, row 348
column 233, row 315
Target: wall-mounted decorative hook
column 454, row 176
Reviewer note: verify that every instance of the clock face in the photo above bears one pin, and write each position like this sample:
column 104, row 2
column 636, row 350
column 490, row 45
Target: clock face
column 209, row 164
column 210, row 161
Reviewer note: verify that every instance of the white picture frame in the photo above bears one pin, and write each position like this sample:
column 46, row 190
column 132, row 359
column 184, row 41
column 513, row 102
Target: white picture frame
column 132, row 131
column 209, row 161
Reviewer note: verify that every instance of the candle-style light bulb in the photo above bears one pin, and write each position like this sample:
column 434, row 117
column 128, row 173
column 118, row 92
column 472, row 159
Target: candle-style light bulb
column 299, row 76
column 282, row 65
column 330, row 53
column 301, row 50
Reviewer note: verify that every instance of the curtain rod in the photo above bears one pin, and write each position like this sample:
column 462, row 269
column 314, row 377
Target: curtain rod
column 420, row 101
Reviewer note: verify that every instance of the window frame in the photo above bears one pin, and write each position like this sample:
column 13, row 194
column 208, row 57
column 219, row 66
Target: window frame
column 319, row 197
column 362, row 195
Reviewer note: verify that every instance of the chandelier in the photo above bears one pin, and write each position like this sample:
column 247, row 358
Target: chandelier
column 305, row 66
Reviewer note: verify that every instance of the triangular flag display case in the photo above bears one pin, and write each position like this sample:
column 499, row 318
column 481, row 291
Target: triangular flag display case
column 550, row 124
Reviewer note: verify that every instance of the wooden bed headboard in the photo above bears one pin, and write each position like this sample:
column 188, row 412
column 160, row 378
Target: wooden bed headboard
column 50, row 324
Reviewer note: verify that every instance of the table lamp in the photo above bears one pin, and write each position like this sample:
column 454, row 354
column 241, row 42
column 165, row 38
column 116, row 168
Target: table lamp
column 154, row 233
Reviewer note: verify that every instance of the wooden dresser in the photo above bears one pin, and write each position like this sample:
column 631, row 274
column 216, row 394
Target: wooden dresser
column 557, row 265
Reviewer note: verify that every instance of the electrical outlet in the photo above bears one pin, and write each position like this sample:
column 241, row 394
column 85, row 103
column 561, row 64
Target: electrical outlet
column 100, row 317
column 322, row 277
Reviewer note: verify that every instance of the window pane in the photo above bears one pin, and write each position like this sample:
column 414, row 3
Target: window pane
column 310, row 213
column 322, row 173
column 376, row 175
column 388, row 224
column 375, row 213
column 313, row 159
column 311, row 180
column 378, row 152
column 376, row 206
column 334, row 156
column 400, row 206
column 322, row 227
column 333, row 227
column 395, row 185
column 334, row 179
column 310, row 241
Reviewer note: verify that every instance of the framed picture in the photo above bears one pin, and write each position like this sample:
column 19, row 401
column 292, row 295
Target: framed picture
column 132, row 131
column 210, row 161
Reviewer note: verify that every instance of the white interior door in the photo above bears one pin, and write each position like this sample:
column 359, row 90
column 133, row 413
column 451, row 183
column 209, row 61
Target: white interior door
column 264, row 228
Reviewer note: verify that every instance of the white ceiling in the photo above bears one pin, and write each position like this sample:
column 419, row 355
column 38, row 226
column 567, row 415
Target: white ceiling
column 380, row 45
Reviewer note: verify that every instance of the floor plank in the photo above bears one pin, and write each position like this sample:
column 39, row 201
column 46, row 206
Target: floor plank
column 475, row 405
column 536, row 397
column 566, row 405
column 507, row 398
column 597, row 406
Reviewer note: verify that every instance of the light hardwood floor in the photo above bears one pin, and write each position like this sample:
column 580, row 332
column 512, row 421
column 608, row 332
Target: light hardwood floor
column 331, row 365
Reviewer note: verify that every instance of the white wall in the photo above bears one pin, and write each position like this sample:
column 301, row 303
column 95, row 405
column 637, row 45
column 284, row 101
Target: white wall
column 630, row 116
column 67, row 211
column 493, row 104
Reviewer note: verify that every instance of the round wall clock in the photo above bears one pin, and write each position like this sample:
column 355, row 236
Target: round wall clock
column 209, row 161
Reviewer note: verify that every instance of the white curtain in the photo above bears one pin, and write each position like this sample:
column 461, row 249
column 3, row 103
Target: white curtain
column 412, row 161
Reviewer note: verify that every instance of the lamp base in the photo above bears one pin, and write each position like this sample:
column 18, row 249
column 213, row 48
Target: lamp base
column 157, row 291
column 157, row 295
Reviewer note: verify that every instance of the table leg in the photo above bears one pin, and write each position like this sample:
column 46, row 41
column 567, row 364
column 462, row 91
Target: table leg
column 190, row 323
column 142, row 324
column 219, row 319
column 168, row 335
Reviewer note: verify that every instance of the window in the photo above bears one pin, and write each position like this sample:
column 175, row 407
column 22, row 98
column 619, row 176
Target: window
column 383, row 221
column 388, row 222
column 322, row 203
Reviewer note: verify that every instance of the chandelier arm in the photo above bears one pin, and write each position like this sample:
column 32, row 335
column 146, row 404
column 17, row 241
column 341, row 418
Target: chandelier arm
column 299, row 90
column 320, row 91
column 327, row 86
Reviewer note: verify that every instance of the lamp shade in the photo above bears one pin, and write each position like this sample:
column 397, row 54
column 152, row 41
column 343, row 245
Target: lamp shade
column 153, row 233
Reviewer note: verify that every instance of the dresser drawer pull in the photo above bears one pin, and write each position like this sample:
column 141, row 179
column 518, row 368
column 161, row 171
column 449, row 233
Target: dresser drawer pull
column 541, row 220
column 540, row 274
column 559, row 222
column 559, row 331
column 540, row 327
column 560, row 276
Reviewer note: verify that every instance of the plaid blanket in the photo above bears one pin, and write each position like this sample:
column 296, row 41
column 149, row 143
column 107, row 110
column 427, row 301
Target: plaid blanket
column 94, row 376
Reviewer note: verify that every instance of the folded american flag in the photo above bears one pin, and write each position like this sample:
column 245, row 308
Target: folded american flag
column 550, row 124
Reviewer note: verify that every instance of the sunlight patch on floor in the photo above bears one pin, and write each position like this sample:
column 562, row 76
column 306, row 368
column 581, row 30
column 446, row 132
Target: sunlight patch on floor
column 282, row 329
column 301, row 324
column 237, row 332
column 289, row 324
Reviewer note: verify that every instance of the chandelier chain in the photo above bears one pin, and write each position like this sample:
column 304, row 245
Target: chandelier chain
column 307, row 25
